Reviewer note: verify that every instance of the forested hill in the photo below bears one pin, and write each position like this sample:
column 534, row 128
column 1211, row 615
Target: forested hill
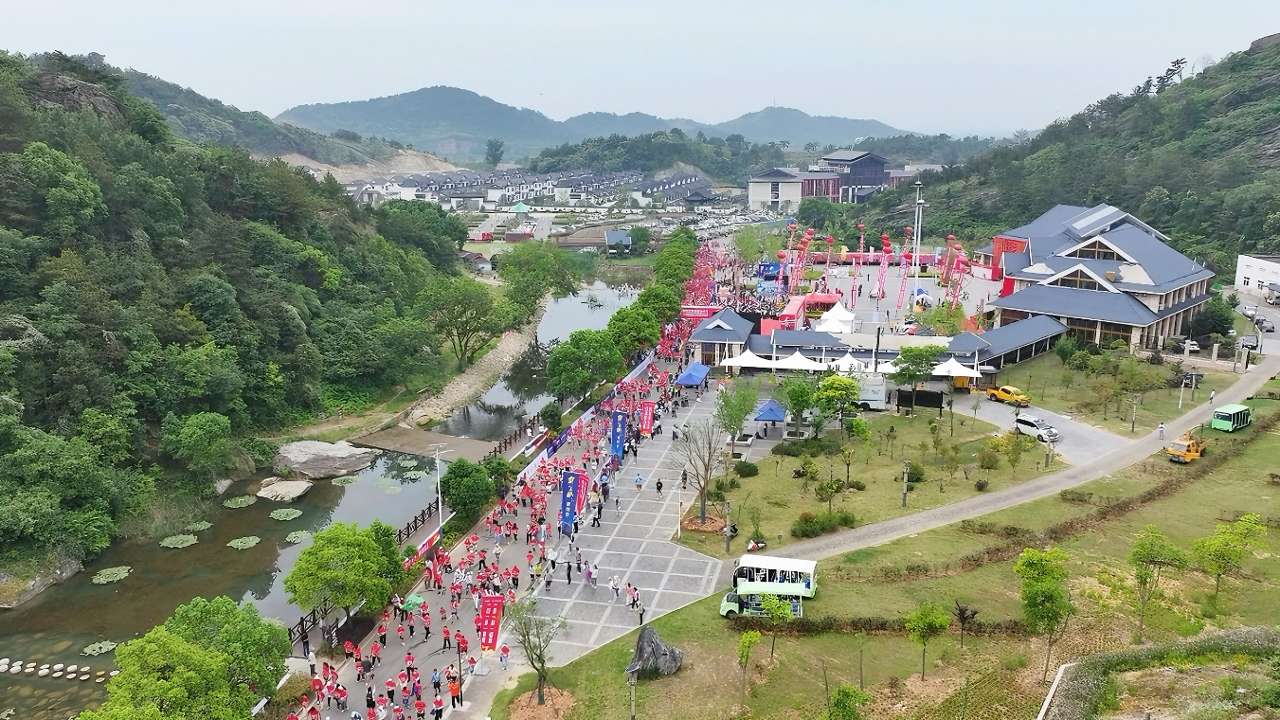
column 730, row 159
column 1198, row 158
column 205, row 120
column 159, row 299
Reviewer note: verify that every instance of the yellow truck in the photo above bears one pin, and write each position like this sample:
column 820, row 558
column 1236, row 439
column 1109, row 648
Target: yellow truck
column 1010, row 395
column 1185, row 449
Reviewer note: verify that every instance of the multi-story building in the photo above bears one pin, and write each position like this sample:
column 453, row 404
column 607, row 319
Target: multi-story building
column 860, row 172
column 1101, row 272
column 782, row 189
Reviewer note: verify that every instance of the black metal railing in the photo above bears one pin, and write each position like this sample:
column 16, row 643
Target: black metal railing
column 416, row 522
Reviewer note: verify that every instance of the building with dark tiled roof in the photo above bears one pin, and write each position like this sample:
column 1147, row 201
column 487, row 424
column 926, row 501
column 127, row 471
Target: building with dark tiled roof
column 1103, row 273
column 782, row 189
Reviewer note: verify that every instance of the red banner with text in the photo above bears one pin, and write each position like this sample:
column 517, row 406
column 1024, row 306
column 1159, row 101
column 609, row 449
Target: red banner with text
column 646, row 418
column 490, row 620
column 584, row 486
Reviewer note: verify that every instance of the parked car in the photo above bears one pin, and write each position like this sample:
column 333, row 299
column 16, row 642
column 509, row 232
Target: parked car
column 1266, row 325
column 1249, row 342
column 1036, row 428
column 1249, row 311
column 1009, row 394
column 1192, row 378
column 1190, row 346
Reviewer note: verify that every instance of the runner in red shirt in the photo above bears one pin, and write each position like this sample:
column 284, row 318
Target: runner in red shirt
column 313, row 713
column 420, row 706
column 437, row 706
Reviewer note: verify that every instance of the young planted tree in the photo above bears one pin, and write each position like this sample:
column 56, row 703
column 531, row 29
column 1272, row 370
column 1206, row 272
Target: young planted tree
column 698, row 447
column 733, row 406
column 1046, row 601
column 747, row 642
column 926, row 622
column 534, row 635
column 837, row 396
column 847, row 456
column 1224, row 552
column 915, row 364
column 1152, row 553
column 797, row 396
column 951, row 462
column 859, row 643
column 777, row 612
column 859, row 431
column 1013, row 446
column 828, row 490
column 964, row 615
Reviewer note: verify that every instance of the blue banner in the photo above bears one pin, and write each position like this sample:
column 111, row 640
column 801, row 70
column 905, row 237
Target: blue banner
column 618, row 434
column 568, row 500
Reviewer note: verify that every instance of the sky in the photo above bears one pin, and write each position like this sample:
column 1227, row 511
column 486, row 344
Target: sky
column 981, row 66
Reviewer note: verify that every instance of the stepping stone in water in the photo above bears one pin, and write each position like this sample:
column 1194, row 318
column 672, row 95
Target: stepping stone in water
column 72, row 668
column 100, row 679
column 15, row 669
column 59, row 666
column 83, row 678
column 44, row 666
column 42, row 672
column 58, row 674
column 115, row 673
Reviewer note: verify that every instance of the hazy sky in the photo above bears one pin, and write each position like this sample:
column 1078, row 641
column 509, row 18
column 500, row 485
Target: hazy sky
column 926, row 65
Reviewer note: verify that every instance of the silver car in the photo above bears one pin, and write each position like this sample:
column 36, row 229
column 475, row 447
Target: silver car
column 1037, row 428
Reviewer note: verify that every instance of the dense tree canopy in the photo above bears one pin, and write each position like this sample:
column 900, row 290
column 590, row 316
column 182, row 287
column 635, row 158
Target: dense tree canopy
column 344, row 565
column 732, row 158
column 143, row 277
column 586, row 359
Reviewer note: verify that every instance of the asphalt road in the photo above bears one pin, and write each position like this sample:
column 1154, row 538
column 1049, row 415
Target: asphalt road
column 1104, row 462
column 1080, row 441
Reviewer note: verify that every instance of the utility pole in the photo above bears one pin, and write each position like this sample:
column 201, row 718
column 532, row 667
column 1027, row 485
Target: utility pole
column 1133, row 419
column 906, row 473
column 915, row 250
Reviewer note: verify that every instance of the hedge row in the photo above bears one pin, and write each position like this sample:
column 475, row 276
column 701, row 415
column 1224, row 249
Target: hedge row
column 832, row 624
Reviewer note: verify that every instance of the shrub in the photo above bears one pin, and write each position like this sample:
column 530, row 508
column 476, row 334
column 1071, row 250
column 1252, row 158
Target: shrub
column 858, row 485
column 808, row 446
column 810, row 525
column 746, row 469
column 551, row 416
column 1270, row 696
column 981, row 485
column 915, row 472
column 988, row 459
column 1080, row 360
column 1076, row 496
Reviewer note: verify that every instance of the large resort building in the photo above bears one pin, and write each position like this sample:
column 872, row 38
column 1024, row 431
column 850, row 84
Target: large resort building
column 1101, row 272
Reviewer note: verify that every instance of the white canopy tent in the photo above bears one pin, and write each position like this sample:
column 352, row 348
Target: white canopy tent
column 747, row 359
column 887, row 367
column 835, row 327
column 839, row 313
column 797, row 361
column 847, row 363
column 953, row 368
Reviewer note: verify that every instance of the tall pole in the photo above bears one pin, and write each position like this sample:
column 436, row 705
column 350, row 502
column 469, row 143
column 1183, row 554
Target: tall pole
column 919, row 230
column 439, row 500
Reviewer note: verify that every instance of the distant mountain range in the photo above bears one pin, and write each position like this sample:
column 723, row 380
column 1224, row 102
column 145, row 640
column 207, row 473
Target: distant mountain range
column 203, row 119
column 456, row 123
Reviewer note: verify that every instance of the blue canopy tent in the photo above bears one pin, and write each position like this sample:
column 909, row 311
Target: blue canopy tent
column 771, row 411
column 694, row 376
column 768, row 269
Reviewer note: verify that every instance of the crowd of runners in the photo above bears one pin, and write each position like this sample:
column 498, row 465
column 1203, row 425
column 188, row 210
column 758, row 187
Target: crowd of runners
column 426, row 646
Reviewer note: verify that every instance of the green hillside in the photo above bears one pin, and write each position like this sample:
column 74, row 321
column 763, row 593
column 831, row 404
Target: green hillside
column 729, row 159
column 205, row 120
column 1198, row 158
column 160, row 300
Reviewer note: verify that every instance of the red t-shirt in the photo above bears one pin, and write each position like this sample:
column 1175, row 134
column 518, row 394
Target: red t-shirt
column 390, row 683
column 419, row 705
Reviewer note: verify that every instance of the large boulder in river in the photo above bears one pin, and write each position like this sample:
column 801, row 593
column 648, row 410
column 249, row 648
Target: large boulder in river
column 653, row 657
column 317, row 460
column 283, row 490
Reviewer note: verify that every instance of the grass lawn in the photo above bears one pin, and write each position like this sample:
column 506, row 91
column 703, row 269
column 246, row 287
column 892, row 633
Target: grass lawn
column 710, row 685
column 781, row 498
column 1058, row 388
column 856, row 584
column 488, row 249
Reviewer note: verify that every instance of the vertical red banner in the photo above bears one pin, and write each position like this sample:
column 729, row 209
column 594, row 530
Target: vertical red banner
column 490, row 620
column 646, row 418
column 584, row 486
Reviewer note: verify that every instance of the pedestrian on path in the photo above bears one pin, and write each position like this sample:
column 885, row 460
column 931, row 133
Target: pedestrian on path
column 639, row 482
column 1212, row 393
column 1160, row 430
column 455, row 692
column 658, row 485
column 613, row 585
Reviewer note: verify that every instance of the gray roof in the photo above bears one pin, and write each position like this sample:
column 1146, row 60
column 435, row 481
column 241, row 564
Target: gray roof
column 806, row 339
column 1062, row 227
column 1079, row 303
column 1006, row 338
column 781, row 175
column 738, row 332
column 851, row 156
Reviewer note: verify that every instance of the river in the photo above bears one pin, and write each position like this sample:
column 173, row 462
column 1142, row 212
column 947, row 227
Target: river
column 57, row 624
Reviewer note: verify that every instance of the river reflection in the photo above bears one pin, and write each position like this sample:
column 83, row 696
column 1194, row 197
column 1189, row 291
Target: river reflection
column 522, row 389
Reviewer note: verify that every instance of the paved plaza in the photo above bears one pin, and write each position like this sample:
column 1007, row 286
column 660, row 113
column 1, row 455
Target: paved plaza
column 634, row 543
